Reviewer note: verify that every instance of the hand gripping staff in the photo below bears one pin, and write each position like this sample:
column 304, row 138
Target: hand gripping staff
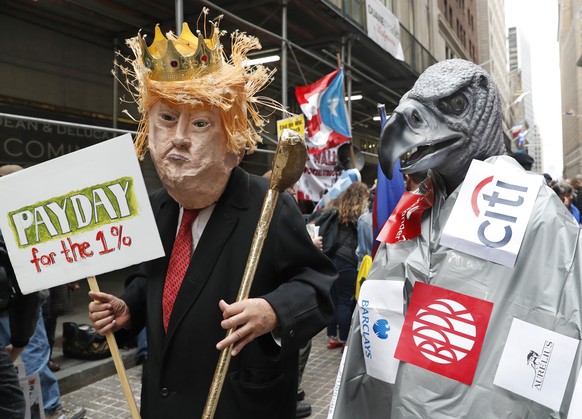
column 288, row 165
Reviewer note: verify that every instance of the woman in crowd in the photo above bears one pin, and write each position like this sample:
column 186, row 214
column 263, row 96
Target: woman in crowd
column 566, row 194
column 350, row 204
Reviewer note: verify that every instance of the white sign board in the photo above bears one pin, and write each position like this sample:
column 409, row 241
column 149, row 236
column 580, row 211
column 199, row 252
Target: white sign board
column 79, row 215
column 536, row 363
column 381, row 318
column 492, row 211
column 384, row 28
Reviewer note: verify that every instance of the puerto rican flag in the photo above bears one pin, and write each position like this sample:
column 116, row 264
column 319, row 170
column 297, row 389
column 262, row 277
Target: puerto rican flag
column 323, row 105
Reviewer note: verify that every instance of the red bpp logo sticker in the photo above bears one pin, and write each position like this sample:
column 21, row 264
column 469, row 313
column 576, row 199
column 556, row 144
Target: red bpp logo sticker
column 443, row 332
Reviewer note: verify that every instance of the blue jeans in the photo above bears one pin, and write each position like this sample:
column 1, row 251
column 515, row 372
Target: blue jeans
column 11, row 397
column 342, row 295
column 35, row 358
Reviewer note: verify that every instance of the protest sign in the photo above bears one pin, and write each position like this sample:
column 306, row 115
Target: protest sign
column 295, row 123
column 77, row 216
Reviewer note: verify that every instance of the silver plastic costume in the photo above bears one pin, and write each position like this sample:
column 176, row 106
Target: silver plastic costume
column 543, row 288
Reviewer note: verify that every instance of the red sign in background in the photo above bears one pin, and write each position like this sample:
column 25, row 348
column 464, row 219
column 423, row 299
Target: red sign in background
column 404, row 222
column 443, row 332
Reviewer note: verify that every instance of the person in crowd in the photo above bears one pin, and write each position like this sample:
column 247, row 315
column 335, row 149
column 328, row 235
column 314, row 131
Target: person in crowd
column 350, row 205
column 566, row 194
column 59, row 303
column 576, row 183
column 366, row 230
column 21, row 312
column 36, row 354
column 525, row 160
column 549, row 180
column 198, row 117
column 451, row 118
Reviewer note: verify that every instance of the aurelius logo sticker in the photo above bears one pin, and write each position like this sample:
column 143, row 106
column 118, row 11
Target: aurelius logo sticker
column 491, row 212
column 443, row 331
column 536, row 363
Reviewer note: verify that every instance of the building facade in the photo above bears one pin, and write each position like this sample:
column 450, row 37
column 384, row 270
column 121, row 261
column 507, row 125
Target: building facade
column 458, row 30
column 569, row 37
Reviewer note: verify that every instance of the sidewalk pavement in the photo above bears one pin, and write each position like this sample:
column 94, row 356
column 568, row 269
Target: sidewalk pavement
column 96, row 386
column 104, row 399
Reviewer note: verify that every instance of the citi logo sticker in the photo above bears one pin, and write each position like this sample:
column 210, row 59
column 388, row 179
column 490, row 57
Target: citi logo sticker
column 443, row 331
column 502, row 205
column 491, row 212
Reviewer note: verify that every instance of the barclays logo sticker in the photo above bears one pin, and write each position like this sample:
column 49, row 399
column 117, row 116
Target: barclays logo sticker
column 381, row 328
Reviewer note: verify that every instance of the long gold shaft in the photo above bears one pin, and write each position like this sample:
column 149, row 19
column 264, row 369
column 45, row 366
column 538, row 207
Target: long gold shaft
column 243, row 293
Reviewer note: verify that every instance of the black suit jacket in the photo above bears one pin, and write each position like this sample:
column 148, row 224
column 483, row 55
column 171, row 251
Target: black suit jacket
column 292, row 275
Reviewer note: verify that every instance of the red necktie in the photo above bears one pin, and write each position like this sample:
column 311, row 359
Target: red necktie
column 179, row 261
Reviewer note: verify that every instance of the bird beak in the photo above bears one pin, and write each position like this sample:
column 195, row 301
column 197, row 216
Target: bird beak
column 420, row 135
column 392, row 143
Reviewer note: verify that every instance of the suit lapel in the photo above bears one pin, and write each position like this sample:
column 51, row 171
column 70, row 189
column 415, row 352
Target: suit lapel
column 220, row 225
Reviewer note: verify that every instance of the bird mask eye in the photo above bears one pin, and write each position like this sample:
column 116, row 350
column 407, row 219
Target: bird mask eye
column 453, row 105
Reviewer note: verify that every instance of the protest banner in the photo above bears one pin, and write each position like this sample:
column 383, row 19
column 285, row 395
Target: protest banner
column 79, row 215
column 295, row 123
column 319, row 175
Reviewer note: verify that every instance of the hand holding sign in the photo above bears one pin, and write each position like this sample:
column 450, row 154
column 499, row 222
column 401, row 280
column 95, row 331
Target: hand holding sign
column 108, row 313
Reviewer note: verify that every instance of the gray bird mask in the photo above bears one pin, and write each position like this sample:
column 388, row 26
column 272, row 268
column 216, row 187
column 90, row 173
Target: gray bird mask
column 451, row 116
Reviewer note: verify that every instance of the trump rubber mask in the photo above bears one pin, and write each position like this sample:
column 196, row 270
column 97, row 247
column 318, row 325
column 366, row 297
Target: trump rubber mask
column 210, row 98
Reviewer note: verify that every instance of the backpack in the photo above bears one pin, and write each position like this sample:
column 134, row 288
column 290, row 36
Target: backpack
column 328, row 229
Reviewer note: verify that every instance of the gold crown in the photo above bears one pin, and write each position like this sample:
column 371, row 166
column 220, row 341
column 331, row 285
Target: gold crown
column 172, row 59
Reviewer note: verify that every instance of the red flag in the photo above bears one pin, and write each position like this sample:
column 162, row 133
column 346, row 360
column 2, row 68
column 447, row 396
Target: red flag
column 443, row 332
column 327, row 117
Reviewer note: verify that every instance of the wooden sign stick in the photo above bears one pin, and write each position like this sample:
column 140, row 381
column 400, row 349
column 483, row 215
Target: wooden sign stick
column 93, row 286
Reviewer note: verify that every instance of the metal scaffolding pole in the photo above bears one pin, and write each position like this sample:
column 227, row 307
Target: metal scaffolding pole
column 115, row 85
column 179, row 16
column 284, row 99
column 97, row 127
